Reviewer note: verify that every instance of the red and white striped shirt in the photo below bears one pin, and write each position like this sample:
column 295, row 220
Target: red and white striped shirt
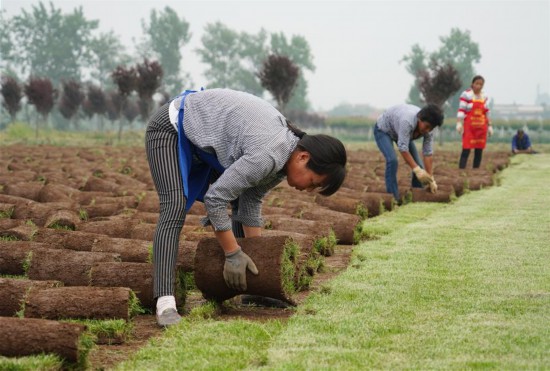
column 466, row 101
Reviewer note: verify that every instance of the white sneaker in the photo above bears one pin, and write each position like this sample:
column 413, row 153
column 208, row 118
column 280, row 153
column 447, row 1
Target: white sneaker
column 168, row 317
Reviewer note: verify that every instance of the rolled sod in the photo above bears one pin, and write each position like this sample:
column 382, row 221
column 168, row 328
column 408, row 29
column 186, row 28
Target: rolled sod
column 6, row 209
column 83, row 302
column 296, row 225
column 116, row 226
column 14, row 254
column 17, row 229
column 68, row 266
column 343, row 224
column 136, row 276
column 423, row 195
column 28, row 336
column 42, row 214
column 130, row 250
column 14, row 290
column 342, row 204
column 186, row 255
column 62, row 218
column 275, row 257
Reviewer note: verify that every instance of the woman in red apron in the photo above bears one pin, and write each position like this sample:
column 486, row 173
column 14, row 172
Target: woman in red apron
column 473, row 122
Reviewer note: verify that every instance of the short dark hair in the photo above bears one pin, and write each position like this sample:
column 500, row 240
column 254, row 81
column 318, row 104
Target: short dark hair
column 327, row 157
column 432, row 114
column 477, row 77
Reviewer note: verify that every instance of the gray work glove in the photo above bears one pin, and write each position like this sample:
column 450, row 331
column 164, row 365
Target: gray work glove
column 234, row 269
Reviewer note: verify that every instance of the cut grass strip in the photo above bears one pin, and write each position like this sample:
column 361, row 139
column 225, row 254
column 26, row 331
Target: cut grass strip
column 454, row 286
column 207, row 344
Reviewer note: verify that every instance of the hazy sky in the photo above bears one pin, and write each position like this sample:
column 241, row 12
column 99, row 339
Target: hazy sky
column 357, row 45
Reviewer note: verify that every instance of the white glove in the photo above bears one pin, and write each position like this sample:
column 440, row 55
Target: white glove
column 459, row 127
column 433, row 186
column 490, row 130
column 422, row 175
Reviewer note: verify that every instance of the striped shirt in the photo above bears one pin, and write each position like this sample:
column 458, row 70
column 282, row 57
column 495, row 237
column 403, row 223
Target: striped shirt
column 399, row 123
column 466, row 102
column 251, row 141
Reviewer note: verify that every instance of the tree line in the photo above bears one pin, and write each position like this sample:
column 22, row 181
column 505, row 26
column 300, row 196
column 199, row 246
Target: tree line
column 45, row 44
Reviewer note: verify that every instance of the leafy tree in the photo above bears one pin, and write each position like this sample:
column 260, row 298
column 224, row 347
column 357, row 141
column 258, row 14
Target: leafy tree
column 41, row 93
column 167, row 35
column 299, row 52
column 415, row 63
column 438, row 83
column 149, row 78
column 97, row 103
column 46, row 42
column 279, row 76
column 114, row 102
column 125, row 79
column 87, row 108
column 106, row 53
column 233, row 58
column 114, row 105
column 6, row 42
column 457, row 49
column 115, row 110
column 71, row 99
column 254, row 51
column 130, row 110
column 12, row 94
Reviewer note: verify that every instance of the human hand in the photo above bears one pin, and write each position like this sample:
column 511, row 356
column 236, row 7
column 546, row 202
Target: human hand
column 490, row 130
column 422, row 174
column 234, row 269
column 459, row 127
column 433, row 186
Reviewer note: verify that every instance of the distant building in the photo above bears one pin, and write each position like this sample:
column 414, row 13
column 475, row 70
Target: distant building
column 520, row 111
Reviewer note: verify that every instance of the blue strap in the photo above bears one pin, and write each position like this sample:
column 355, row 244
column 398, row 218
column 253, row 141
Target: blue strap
column 184, row 149
column 195, row 177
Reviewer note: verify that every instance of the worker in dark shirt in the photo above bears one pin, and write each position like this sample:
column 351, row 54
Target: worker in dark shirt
column 521, row 143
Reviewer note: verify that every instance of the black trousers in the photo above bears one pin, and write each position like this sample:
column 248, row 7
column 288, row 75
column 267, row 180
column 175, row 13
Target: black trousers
column 478, row 152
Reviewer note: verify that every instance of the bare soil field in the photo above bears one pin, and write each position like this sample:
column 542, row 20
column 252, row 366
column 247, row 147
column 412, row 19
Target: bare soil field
column 77, row 224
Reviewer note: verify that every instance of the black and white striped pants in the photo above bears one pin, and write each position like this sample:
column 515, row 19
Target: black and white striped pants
column 161, row 145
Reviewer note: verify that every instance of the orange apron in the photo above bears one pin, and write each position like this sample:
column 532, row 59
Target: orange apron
column 475, row 126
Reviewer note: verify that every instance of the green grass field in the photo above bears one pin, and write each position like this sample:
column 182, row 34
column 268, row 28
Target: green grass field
column 440, row 286
column 443, row 286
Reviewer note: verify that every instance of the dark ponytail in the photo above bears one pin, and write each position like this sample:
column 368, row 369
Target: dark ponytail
column 327, row 157
column 299, row 133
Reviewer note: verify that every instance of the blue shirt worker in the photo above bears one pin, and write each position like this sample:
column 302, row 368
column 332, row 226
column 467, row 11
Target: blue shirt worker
column 521, row 143
column 402, row 124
